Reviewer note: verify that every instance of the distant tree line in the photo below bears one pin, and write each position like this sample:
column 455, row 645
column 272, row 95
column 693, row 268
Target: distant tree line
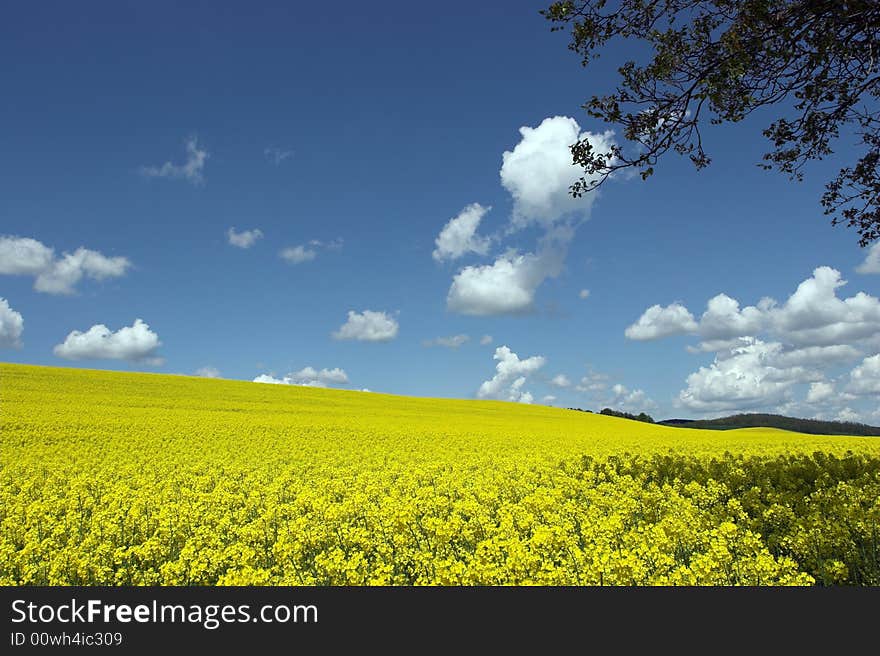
column 626, row 415
column 811, row 426
column 754, row 420
column 623, row 415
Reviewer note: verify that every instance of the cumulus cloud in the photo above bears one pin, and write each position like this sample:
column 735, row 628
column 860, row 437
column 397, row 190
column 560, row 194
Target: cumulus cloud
column 748, row 377
column 539, row 171
column 821, row 356
column 592, row 383
column 762, row 351
column 849, row 415
column 517, row 394
column 24, row 256
column 624, row 398
column 64, row 273
column 657, row 322
column 308, row 252
column 723, row 318
column 368, row 326
column 271, row 380
column 56, row 275
column 245, row 238
column 11, row 326
column 485, row 340
column 820, row 392
column 814, row 315
column 865, row 378
column 191, row 170
column 549, row 398
column 208, row 372
column 583, row 294
column 298, row 254
column 597, row 386
column 872, row 260
column 307, row 377
column 708, row 346
column 335, row 375
column 312, row 377
column 459, row 236
column 510, row 376
column 452, row 342
column 505, row 287
column 508, row 285
column 136, row 343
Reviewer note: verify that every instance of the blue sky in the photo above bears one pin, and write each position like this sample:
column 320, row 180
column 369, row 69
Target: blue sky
column 367, row 144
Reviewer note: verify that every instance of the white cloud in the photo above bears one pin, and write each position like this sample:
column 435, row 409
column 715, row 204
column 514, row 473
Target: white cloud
column 850, row 415
column 747, row 377
column 452, row 342
column 583, row 294
column 872, row 261
column 813, row 331
column 308, row 252
column 549, row 398
column 820, row 392
column 708, row 346
column 25, row 256
column 865, row 378
column 459, row 236
column 516, row 394
column 822, row 356
column 245, row 238
column 485, row 340
column 627, row 399
column 592, row 383
column 65, row 273
column 208, row 372
column 814, row 315
column 11, row 326
column 510, row 376
column 190, row 170
column 657, row 322
column 276, row 155
column 724, row 320
column 508, row 285
column 307, row 377
column 311, row 377
column 136, row 343
column 298, row 254
column 618, row 396
column 271, row 380
column 368, row 326
column 539, row 171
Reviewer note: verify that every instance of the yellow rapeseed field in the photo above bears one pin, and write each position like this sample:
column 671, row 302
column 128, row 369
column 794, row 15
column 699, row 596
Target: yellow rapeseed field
column 111, row 478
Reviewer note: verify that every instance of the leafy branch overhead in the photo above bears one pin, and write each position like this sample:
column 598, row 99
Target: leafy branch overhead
column 816, row 60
